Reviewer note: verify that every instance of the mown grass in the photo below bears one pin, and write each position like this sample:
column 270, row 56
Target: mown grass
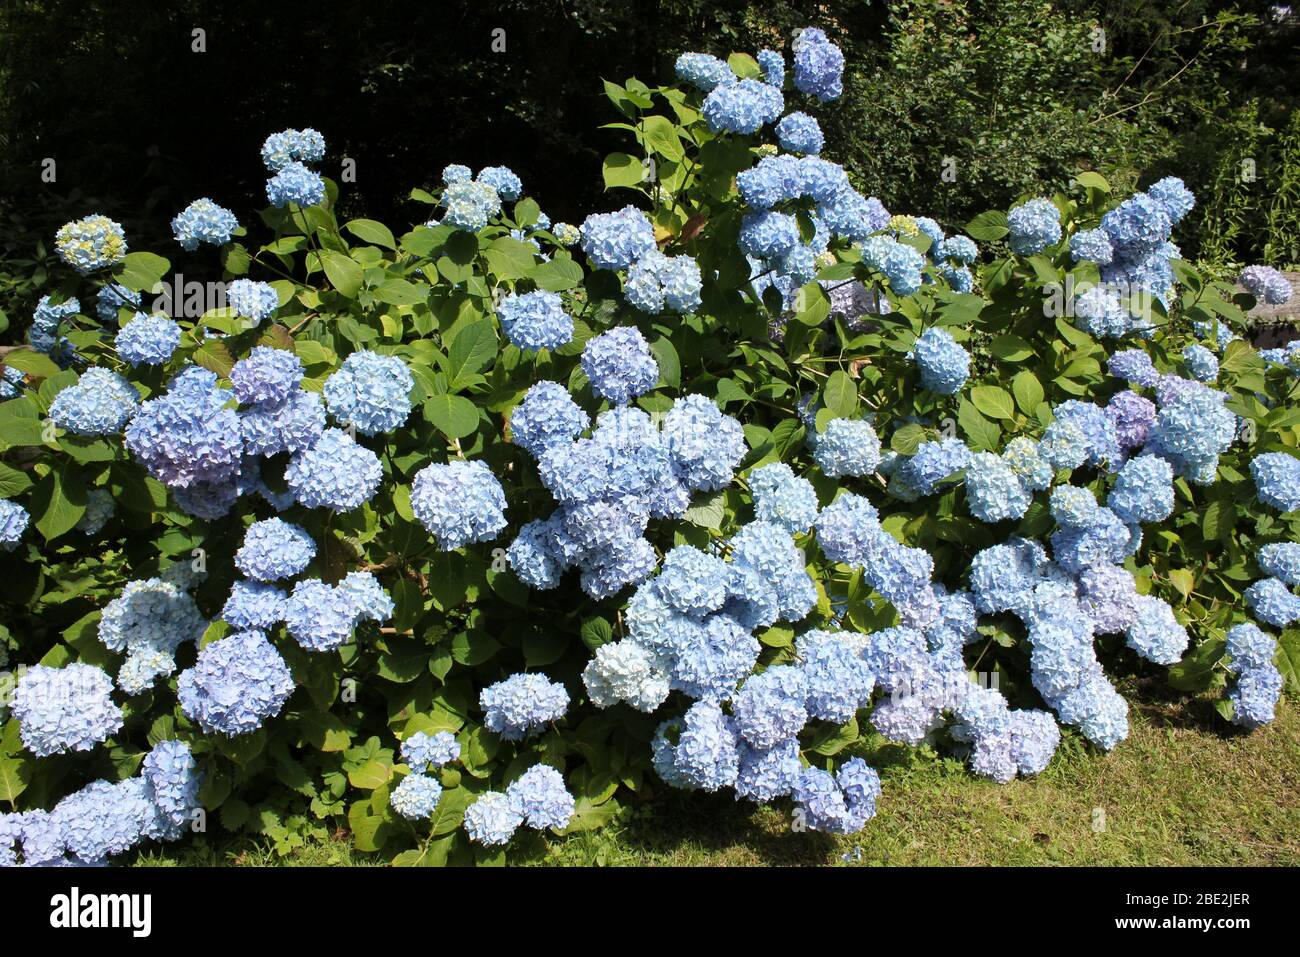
column 1182, row 790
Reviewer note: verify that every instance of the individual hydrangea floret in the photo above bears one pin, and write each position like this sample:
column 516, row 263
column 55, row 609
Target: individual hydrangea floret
column 64, row 709
column 459, row 503
column 203, row 221
column 1033, row 227
column 848, row 447
column 535, row 320
column 237, row 683
column 944, row 365
column 620, row 365
column 336, row 473
column 148, row 340
column 522, row 704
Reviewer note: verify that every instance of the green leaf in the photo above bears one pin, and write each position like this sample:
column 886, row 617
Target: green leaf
column 1028, row 391
column 1010, row 348
column 906, row 440
column 1288, row 658
column 596, row 632
column 1183, row 580
column 993, row 401
column 32, row 362
column 981, row 434
column 1093, row 181
column 15, row 774
column 473, row 647
column 141, row 271
column 58, row 502
column 986, row 227
column 473, row 348
column 661, row 137
column 509, row 259
column 214, row 356
column 343, row 272
column 370, row 775
column 453, row 415
column 622, row 169
column 558, row 274
column 670, row 365
column 840, row 395
column 400, row 292
column 370, row 231
column 13, row 482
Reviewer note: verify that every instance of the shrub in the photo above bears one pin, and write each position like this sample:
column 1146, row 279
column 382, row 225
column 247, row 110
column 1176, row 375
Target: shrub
column 687, row 495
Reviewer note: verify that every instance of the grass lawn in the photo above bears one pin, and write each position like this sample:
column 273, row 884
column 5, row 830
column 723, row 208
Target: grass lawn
column 1183, row 789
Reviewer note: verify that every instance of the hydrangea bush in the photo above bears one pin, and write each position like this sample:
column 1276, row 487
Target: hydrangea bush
column 493, row 525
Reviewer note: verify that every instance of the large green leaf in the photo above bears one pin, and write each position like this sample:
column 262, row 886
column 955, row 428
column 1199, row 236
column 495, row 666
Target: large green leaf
column 58, row 502
column 343, row 272
column 453, row 415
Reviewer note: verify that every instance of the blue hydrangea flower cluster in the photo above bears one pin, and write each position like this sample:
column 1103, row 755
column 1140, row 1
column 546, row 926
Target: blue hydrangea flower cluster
column 546, row 417
column 187, row 435
column 100, row 403
column 416, row 797
column 616, row 240
column 255, row 606
column 47, row 321
column 1273, row 603
column 470, row 205
column 702, row 71
column 64, row 709
column 899, row 263
column 100, row 506
column 237, row 683
column 459, row 503
column 1280, row 560
column 1266, row 283
column 203, row 221
column 994, row 491
column 1277, row 480
column 848, row 447
column 944, row 365
column 619, row 365
column 818, row 65
column 535, row 320
column 252, row 300
column 112, row 297
column 335, row 473
column 503, row 180
column 1258, row 685
column 148, row 340
column 541, row 799
column 91, row 244
column 266, row 376
column 296, row 184
column 1033, row 227
column 655, row 281
column 519, row 706
column 744, row 107
column 370, row 391
column 292, row 146
column 800, row 133
column 1201, row 363
column 931, row 463
column 274, row 549
column 149, row 621
column 422, row 751
column 783, row 498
